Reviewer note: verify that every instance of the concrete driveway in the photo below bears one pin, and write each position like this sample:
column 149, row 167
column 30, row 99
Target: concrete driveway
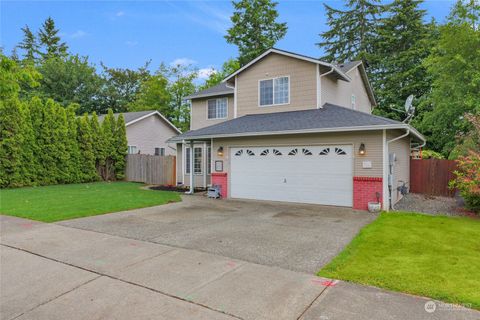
column 50, row 271
column 290, row 236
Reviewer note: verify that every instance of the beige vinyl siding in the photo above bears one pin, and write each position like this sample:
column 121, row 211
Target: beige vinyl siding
column 303, row 90
column 371, row 139
column 401, row 171
column 340, row 92
column 199, row 112
column 150, row 133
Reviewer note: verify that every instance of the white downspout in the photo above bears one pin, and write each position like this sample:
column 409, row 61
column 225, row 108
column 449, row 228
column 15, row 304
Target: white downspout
column 319, row 85
column 388, row 165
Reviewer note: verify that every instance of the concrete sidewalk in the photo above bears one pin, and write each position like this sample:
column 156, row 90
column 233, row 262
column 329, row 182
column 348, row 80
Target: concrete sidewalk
column 56, row 272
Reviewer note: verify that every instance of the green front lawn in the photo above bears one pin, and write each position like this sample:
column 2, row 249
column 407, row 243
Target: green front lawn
column 62, row 202
column 437, row 257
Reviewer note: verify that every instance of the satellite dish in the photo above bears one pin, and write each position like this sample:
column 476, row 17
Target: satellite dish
column 408, row 103
column 409, row 109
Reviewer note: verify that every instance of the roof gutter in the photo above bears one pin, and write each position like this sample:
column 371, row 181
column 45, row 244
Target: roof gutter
column 286, row 132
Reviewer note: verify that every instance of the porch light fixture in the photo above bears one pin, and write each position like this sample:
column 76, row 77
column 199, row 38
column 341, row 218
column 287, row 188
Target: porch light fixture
column 361, row 150
column 220, row 151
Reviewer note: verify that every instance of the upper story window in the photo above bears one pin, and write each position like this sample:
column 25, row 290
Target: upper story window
column 353, row 102
column 217, row 108
column 132, row 149
column 274, row 91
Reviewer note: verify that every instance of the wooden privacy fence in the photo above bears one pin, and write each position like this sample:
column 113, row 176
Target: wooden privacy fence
column 151, row 169
column 431, row 176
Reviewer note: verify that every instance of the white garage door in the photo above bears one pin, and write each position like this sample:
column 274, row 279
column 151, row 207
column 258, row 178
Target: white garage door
column 307, row 174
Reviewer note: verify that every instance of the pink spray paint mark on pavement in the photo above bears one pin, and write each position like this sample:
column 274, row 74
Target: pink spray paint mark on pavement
column 231, row 264
column 326, row 283
column 27, row 225
column 133, row 244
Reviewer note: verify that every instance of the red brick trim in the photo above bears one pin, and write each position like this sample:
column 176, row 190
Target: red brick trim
column 367, row 179
column 220, row 179
column 219, row 174
column 364, row 191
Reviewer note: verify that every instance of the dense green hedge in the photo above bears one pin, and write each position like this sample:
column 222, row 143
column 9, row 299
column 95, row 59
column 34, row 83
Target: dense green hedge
column 44, row 143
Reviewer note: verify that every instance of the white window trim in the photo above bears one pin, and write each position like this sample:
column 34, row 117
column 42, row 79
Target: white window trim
column 226, row 114
column 128, row 149
column 273, row 80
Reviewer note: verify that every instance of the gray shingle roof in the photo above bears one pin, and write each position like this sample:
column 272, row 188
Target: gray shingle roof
column 329, row 117
column 217, row 90
column 347, row 66
column 129, row 116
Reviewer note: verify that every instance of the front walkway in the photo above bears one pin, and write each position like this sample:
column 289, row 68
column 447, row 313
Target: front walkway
column 50, row 271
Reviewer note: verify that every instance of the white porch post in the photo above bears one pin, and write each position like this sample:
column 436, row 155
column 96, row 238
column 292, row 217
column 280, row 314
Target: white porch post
column 192, row 181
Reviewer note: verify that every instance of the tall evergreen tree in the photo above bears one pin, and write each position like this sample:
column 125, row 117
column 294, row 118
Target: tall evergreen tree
column 351, row 32
column 11, row 143
column 59, row 134
column 403, row 42
column 98, row 143
column 29, row 162
column 29, row 45
column 50, row 41
column 87, row 168
column 71, row 146
column 121, row 147
column 108, row 133
column 37, row 113
column 255, row 28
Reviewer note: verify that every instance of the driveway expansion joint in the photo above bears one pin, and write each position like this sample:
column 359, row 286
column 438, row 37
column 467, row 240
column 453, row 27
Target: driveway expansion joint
column 56, row 297
column 100, row 274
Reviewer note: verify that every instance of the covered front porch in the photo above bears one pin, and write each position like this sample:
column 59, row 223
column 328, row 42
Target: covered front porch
column 197, row 171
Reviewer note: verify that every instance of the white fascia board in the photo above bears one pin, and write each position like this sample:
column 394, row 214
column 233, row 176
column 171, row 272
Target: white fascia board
column 150, row 114
column 206, row 95
column 284, row 132
column 292, row 55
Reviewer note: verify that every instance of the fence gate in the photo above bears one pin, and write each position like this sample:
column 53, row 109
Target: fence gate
column 151, row 169
column 431, row 176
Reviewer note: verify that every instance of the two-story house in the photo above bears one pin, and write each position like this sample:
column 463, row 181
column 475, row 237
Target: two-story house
column 287, row 127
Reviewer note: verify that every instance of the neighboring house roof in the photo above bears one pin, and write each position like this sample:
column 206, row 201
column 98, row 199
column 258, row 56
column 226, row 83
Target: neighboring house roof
column 335, row 68
column 220, row 89
column 329, row 118
column 132, row 117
